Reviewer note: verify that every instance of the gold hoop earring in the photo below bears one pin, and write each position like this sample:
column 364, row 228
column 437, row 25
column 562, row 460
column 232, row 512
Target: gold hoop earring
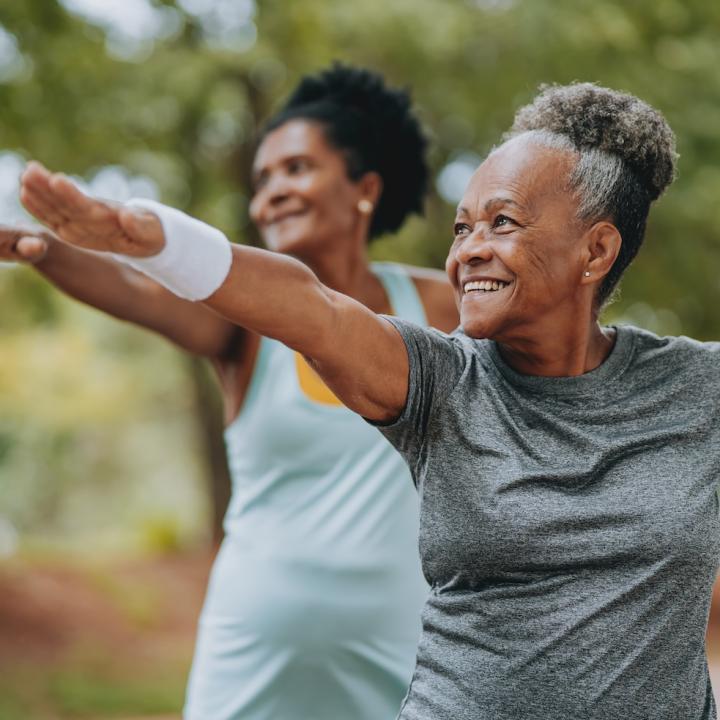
column 365, row 206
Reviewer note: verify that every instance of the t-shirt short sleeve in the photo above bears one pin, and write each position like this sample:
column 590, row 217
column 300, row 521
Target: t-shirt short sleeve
column 436, row 362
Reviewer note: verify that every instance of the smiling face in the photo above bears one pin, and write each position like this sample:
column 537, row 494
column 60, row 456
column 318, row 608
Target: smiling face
column 518, row 258
column 303, row 198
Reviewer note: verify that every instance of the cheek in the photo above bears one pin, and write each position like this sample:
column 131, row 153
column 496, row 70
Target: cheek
column 541, row 265
column 451, row 267
column 337, row 208
column 551, row 272
column 255, row 208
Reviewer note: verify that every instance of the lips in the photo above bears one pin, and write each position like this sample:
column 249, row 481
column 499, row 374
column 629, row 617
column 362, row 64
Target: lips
column 281, row 217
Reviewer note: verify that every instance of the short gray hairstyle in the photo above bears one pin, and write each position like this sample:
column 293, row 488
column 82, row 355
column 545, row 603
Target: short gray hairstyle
column 625, row 153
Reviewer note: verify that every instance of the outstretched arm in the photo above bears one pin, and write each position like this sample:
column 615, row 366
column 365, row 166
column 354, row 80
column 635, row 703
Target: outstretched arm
column 118, row 290
column 108, row 285
column 359, row 354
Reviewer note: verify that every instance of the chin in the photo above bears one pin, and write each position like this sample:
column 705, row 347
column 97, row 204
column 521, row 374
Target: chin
column 478, row 331
column 475, row 327
column 486, row 326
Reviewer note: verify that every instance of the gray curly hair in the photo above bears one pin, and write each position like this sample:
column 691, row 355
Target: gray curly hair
column 626, row 157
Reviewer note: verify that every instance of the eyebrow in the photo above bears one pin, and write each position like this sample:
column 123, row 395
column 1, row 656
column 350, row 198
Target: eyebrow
column 491, row 203
column 256, row 172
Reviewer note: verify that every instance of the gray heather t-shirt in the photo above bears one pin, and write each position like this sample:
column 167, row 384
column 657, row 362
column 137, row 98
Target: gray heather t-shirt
column 569, row 530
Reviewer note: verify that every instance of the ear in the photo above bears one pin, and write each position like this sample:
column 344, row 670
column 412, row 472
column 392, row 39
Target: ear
column 603, row 246
column 370, row 187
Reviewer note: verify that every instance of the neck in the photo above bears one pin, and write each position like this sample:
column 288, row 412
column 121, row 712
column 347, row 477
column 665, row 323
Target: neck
column 347, row 270
column 561, row 354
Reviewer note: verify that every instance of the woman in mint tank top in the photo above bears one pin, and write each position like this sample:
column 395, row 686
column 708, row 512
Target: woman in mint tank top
column 313, row 607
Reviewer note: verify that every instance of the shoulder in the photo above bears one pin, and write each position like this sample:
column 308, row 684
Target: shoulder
column 680, row 345
column 437, row 296
column 680, row 352
column 439, row 363
column 428, row 346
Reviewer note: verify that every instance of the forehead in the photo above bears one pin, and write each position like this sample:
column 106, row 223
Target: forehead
column 520, row 171
column 293, row 138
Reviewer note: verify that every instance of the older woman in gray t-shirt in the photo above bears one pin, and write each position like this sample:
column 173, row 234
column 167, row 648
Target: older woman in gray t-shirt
column 568, row 471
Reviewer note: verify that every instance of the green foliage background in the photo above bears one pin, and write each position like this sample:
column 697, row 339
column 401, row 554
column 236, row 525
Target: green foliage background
column 96, row 428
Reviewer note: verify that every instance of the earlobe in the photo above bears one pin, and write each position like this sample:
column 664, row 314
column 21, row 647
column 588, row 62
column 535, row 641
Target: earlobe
column 365, row 207
column 371, row 186
column 604, row 242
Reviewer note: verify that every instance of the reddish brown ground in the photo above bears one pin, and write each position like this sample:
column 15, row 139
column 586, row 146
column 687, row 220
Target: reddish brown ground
column 65, row 628
column 135, row 608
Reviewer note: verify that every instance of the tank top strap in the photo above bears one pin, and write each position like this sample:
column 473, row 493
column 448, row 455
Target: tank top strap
column 401, row 290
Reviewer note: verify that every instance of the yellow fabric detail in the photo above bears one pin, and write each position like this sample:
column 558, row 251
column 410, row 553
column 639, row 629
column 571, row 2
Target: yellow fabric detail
column 312, row 384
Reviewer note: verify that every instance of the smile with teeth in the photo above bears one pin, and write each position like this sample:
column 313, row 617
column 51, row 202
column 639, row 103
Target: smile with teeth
column 484, row 286
column 285, row 216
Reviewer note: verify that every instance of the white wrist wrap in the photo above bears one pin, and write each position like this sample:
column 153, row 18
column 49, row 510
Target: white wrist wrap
column 196, row 258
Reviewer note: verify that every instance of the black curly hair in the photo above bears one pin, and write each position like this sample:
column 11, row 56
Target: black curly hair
column 373, row 126
column 626, row 157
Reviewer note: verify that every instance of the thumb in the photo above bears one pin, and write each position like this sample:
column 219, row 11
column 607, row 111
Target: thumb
column 31, row 248
column 142, row 227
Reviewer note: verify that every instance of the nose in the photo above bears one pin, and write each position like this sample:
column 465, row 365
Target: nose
column 275, row 191
column 474, row 249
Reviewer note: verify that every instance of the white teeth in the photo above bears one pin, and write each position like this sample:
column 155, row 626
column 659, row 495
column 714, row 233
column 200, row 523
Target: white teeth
column 484, row 285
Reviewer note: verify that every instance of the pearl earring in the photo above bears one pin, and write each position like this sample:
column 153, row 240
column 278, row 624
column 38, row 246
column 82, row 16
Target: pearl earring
column 587, row 273
column 365, row 206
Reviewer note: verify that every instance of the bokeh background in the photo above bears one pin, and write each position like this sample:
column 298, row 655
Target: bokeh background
column 112, row 480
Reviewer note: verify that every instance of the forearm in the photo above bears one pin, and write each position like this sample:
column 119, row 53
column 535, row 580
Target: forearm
column 106, row 284
column 94, row 279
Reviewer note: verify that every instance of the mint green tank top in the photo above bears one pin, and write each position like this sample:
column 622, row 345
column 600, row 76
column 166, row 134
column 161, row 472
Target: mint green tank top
column 313, row 607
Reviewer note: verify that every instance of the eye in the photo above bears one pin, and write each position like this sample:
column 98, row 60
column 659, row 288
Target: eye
column 461, row 229
column 502, row 221
column 259, row 181
column 298, row 165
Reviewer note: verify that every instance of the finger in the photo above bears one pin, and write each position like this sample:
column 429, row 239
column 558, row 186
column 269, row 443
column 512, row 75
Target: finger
column 69, row 200
column 35, row 172
column 13, row 232
column 21, row 244
column 38, row 205
column 142, row 227
column 8, row 240
column 31, row 249
column 36, row 181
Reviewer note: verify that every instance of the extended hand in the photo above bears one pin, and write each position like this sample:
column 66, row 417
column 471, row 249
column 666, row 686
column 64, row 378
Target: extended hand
column 86, row 222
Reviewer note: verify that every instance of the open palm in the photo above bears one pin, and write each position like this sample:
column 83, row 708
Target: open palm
column 86, row 222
